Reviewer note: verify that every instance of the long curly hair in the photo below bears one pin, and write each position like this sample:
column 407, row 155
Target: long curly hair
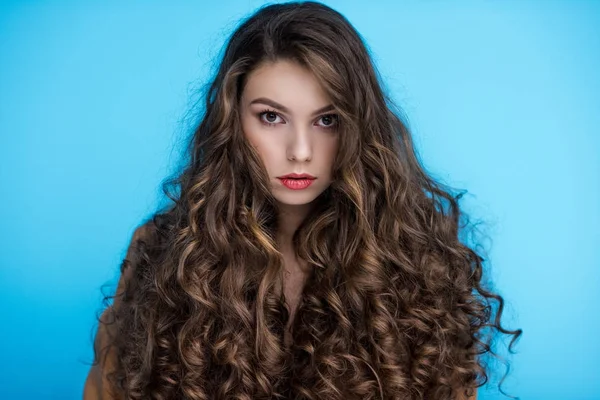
column 395, row 306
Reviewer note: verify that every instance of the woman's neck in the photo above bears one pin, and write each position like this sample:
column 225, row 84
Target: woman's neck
column 289, row 219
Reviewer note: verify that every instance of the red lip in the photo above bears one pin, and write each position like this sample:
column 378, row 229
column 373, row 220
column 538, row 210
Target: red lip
column 297, row 176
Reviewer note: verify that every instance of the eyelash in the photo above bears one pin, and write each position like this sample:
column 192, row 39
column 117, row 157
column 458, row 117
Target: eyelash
column 269, row 111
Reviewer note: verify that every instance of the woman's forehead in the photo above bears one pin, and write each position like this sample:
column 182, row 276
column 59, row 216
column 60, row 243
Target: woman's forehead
column 285, row 84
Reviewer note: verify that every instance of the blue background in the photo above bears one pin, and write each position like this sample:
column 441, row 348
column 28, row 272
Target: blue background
column 503, row 99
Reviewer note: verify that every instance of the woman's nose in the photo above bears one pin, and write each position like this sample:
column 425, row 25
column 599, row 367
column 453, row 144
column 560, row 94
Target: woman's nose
column 300, row 147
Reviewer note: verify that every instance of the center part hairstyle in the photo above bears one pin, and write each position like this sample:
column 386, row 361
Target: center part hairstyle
column 395, row 306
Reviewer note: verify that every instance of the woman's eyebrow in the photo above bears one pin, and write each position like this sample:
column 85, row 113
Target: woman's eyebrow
column 272, row 103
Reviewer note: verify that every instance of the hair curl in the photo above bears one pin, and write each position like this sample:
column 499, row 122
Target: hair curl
column 395, row 306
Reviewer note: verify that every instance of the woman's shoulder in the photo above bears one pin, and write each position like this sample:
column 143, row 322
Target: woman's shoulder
column 97, row 384
column 141, row 234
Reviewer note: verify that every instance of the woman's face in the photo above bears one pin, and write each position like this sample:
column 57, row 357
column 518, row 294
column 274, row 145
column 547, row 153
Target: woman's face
column 290, row 121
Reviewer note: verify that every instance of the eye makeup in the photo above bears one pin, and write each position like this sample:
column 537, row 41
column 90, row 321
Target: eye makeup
column 260, row 115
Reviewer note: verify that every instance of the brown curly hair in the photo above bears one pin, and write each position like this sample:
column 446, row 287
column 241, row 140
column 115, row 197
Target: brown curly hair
column 395, row 306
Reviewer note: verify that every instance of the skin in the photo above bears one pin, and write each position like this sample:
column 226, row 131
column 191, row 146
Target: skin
column 298, row 140
column 96, row 385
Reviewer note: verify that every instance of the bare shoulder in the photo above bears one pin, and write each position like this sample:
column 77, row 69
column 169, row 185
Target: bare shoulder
column 464, row 396
column 97, row 386
column 141, row 233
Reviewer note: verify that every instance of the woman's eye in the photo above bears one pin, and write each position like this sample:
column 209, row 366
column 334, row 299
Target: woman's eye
column 329, row 120
column 270, row 117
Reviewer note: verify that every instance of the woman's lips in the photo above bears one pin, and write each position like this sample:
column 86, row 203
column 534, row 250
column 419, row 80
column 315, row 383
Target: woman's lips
column 296, row 184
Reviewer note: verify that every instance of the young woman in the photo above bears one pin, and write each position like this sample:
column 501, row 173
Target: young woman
column 306, row 254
